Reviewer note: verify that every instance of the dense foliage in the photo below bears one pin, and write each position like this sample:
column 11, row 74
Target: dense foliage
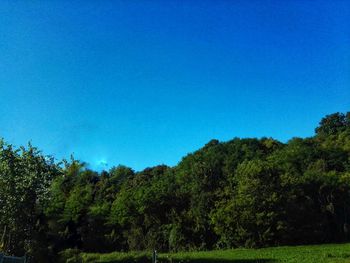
column 244, row 192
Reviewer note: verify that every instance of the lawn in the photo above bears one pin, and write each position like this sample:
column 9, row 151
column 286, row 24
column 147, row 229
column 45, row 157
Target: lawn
column 335, row 253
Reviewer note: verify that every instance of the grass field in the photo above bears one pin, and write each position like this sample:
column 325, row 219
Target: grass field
column 337, row 253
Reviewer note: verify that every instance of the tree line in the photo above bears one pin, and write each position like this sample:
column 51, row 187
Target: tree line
column 240, row 193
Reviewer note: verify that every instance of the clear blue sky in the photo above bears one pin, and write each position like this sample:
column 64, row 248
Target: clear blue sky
column 145, row 82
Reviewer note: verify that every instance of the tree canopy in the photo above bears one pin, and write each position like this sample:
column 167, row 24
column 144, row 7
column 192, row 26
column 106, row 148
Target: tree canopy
column 240, row 193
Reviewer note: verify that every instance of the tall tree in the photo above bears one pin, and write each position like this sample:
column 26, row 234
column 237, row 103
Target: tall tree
column 25, row 179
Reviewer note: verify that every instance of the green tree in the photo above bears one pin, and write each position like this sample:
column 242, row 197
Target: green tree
column 25, row 179
column 333, row 123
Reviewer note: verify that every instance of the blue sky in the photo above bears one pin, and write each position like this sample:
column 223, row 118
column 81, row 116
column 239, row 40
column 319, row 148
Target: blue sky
column 142, row 83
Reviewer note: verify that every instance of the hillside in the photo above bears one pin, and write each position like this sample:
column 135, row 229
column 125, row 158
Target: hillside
column 242, row 193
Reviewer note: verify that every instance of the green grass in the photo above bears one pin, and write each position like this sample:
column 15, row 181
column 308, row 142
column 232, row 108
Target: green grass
column 337, row 253
column 131, row 257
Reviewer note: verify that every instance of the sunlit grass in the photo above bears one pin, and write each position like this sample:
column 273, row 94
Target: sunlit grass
column 333, row 253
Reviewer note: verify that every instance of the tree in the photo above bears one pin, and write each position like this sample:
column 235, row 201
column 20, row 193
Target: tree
column 25, row 179
column 257, row 207
column 333, row 123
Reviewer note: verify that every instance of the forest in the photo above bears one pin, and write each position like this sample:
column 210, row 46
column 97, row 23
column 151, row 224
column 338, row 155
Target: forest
column 246, row 192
